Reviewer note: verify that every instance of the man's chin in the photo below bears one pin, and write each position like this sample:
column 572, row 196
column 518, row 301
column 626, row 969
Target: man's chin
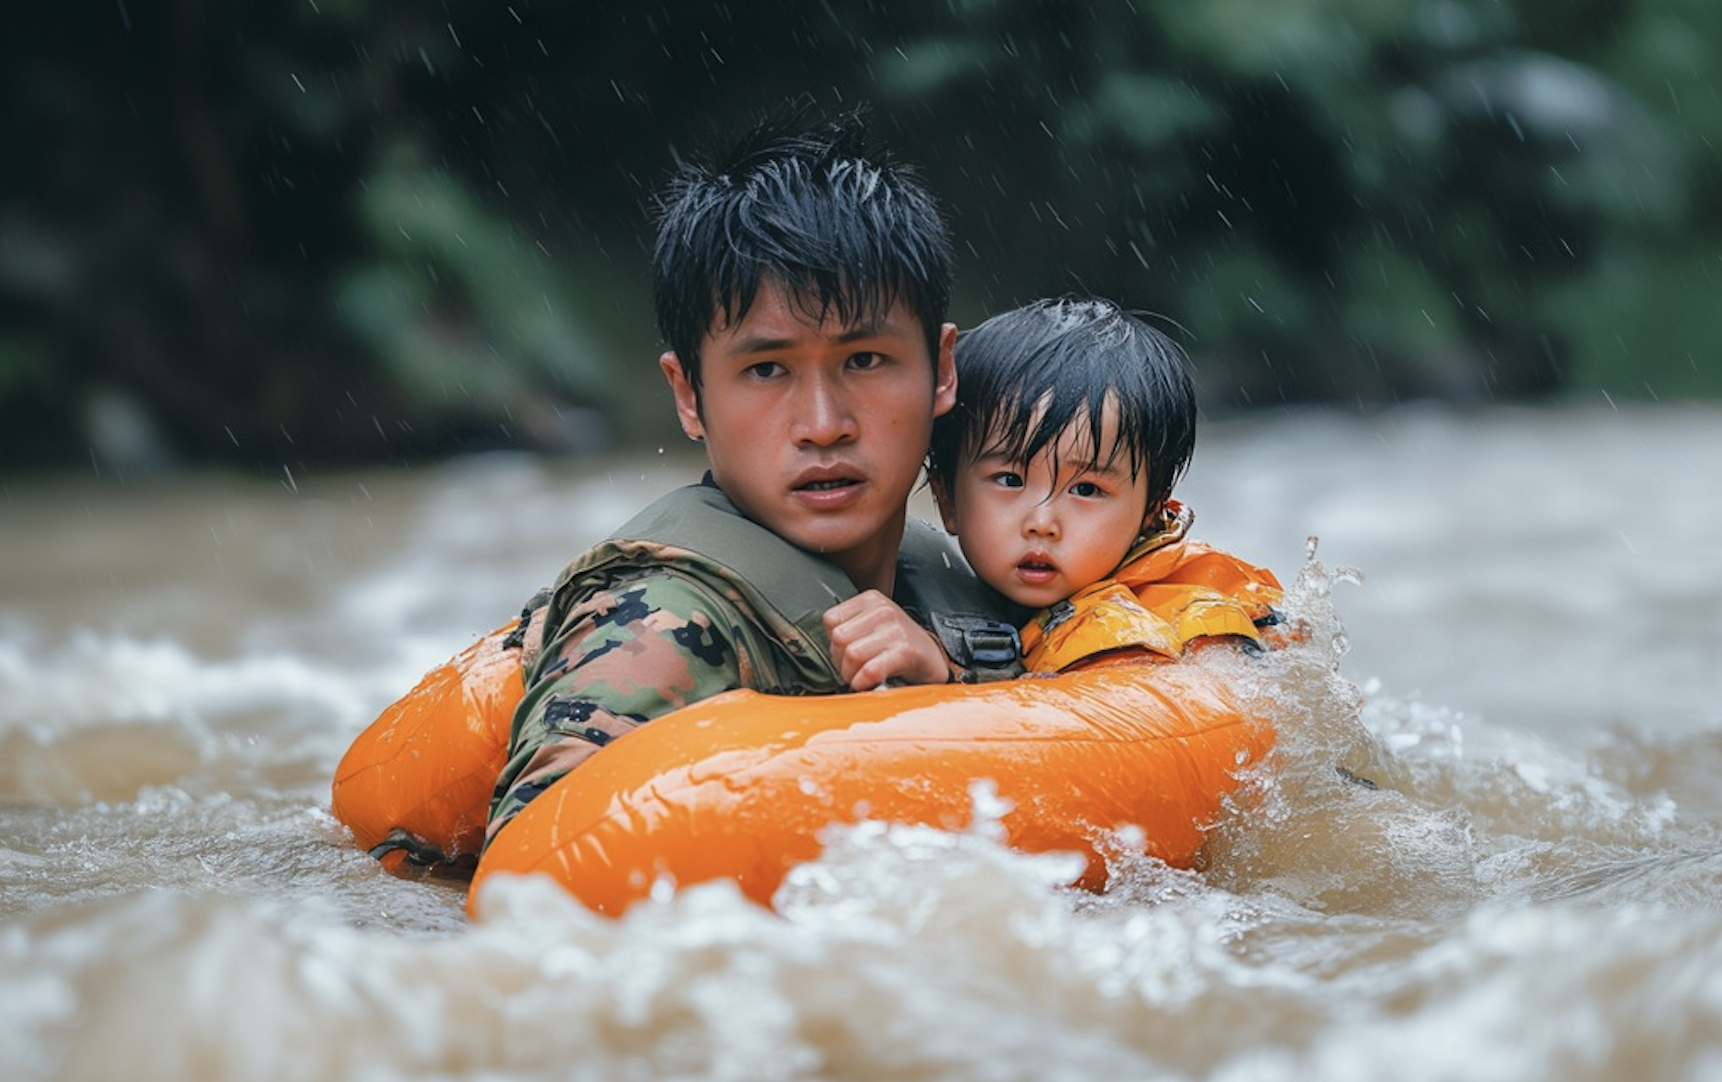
column 824, row 542
column 831, row 537
column 835, row 535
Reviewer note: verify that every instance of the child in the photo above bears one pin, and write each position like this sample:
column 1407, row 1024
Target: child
column 1055, row 469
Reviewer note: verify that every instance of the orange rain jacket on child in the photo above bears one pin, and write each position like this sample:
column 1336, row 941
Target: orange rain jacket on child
column 1168, row 592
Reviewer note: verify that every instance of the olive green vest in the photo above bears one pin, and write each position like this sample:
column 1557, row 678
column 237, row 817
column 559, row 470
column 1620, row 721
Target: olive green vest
column 697, row 533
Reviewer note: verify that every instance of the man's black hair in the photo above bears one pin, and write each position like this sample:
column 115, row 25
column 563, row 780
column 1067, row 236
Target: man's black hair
column 811, row 205
column 1024, row 376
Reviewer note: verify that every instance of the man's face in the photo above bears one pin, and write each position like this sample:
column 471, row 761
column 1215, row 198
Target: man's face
column 817, row 430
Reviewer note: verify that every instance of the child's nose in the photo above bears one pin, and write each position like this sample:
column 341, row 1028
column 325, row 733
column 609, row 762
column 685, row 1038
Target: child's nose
column 1041, row 520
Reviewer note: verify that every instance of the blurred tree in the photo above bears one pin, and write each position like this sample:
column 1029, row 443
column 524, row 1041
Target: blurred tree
column 1342, row 199
column 378, row 229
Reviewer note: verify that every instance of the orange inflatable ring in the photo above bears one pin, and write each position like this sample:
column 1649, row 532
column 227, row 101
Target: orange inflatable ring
column 741, row 786
column 415, row 786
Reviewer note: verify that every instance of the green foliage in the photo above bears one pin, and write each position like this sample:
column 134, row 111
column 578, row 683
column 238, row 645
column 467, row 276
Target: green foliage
column 26, row 364
column 1389, row 199
column 362, row 228
column 1307, row 45
column 450, row 296
column 932, row 63
column 1145, row 111
column 1641, row 326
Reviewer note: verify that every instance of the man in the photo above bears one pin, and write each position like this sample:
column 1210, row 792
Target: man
column 801, row 285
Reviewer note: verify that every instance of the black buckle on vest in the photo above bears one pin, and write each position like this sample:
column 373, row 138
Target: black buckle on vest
column 984, row 649
column 991, row 644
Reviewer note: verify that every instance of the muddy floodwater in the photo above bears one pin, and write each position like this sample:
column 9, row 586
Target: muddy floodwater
column 1517, row 624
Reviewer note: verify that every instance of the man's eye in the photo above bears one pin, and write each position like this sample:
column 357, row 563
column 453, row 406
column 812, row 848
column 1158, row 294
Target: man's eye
column 865, row 361
column 763, row 370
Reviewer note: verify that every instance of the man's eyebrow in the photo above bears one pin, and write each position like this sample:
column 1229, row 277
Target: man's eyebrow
column 760, row 343
column 771, row 344
column 867, row 330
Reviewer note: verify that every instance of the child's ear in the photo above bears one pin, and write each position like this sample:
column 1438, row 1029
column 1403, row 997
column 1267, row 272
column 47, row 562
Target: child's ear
column 942, row 499
column 1153, row 520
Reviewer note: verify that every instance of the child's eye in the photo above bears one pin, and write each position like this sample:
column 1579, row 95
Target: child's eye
column 1007, row 479
column 1086, row 489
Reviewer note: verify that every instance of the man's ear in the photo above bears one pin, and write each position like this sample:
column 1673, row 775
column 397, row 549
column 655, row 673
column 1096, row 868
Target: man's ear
column 942, row 500
column 687, row 399
column 945, row 371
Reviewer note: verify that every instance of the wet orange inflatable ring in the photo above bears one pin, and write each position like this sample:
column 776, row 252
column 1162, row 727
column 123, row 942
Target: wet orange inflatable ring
column 415, row 786
column 741, row 786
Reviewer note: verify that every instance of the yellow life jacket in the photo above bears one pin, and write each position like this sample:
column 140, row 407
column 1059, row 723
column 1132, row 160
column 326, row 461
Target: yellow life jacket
column 1168, row 592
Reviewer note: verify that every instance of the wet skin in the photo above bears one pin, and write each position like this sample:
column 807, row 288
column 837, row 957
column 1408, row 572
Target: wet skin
column 816, row 429
column 1040, row 531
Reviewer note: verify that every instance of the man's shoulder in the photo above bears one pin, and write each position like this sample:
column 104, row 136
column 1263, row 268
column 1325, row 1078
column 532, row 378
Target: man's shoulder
column 647, row 630
column 644, row 585
column 653, row 543
column 679, row 628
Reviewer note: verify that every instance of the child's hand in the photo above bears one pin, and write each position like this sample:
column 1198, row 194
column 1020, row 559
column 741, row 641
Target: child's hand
column 873, row 641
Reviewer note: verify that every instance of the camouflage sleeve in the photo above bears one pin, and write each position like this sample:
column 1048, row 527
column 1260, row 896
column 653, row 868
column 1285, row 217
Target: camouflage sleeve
column 620, row 659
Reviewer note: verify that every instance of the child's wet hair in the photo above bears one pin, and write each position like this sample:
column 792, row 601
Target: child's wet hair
column 811, row 205
column 1027, row 375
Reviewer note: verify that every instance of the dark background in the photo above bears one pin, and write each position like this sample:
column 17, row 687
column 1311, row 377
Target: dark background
column 342, row 231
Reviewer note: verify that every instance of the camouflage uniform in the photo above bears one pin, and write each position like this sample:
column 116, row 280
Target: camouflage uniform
column 657, row 617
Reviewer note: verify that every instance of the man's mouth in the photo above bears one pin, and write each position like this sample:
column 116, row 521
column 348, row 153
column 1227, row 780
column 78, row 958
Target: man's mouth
column 828, row 485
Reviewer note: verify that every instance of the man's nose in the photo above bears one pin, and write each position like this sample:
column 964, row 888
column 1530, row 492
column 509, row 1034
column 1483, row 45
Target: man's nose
column 822, row 413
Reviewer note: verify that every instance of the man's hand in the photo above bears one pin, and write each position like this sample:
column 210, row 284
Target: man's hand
column 873, row 641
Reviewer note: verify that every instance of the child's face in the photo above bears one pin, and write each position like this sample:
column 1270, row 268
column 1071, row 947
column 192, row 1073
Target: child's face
column 1042, row 530
column 816, row 430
